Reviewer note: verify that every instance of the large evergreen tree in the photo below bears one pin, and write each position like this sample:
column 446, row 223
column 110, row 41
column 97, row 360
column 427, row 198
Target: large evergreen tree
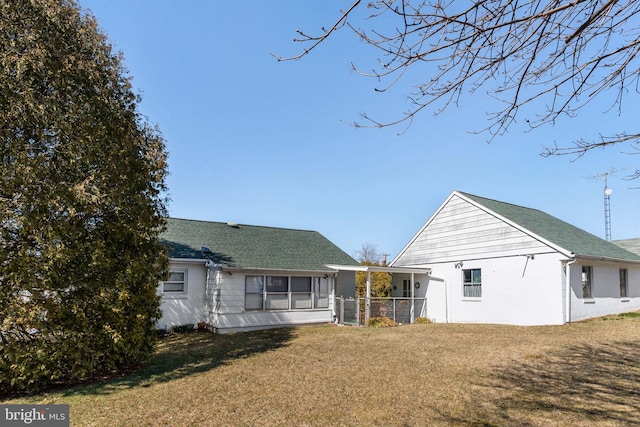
column 81, row 201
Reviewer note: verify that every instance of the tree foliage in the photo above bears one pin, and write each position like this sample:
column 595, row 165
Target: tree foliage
column 81, row 202
column 380, row 282
column 554, row 53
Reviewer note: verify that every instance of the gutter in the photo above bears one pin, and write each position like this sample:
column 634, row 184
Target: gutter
column 605, row 259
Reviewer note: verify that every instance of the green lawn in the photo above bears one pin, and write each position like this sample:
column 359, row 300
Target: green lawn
column 587, row 373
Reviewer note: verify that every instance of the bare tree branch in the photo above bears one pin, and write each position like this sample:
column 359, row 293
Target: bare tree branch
column 552, row 53
column 316, row 40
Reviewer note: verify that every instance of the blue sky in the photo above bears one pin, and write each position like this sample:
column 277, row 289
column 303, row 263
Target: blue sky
column 261, row 142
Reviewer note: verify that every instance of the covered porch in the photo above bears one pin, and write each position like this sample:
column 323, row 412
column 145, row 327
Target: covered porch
column 408, row 299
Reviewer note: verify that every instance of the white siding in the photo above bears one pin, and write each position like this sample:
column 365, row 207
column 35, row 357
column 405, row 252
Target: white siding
column 226, row 312
column 270, row 319
column 231, row 315
column 462, row 231
column 185, row 309
column 231, row 293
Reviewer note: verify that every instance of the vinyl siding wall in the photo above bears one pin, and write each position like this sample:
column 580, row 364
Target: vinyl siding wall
column 231, row 315
column 225, row 310
column 462, row 231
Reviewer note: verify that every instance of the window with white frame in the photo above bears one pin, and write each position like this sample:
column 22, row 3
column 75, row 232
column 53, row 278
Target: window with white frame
column 254, row 292
column 176, row 283
column 623, row 283
column 586, row 282
column 285, row 292
column 472, row 283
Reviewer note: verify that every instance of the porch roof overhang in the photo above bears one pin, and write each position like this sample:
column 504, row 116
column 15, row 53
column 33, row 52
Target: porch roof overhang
column 379, row 269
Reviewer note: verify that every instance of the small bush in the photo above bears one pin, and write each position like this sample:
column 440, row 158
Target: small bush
column 380, row 322
column 423, row 320
column 190, row 327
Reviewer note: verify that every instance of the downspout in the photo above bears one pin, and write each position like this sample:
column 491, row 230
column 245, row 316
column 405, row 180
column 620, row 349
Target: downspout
column 331, row 283
column 208, row 294
column 568, row 291
column 446, row 301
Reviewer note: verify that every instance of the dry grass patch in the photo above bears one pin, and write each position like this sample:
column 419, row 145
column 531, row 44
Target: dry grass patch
column 431, row 374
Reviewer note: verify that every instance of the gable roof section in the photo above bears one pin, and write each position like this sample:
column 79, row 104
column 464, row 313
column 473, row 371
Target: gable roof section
column 632, row 245
column 560, row 233
column 248, row 246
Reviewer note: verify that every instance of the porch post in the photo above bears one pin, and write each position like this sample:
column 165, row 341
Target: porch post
column 367, row 309
column 413, row 289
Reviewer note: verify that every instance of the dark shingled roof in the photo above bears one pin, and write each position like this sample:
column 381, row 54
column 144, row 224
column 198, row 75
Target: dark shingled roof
column 249, row 246
column 632, row 245
column 556, row 231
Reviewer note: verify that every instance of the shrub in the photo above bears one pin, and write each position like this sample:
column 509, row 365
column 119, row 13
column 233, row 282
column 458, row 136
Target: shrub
column 177, row 329
column 423, row 320
column 380, row 322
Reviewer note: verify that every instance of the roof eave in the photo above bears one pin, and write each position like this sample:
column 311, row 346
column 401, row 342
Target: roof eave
column 606, row 259
column 297, row 270
column 380, row 269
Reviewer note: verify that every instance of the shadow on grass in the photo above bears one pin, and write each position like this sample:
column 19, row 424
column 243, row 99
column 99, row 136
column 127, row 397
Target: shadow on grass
column 598, row 384
column 182, row 355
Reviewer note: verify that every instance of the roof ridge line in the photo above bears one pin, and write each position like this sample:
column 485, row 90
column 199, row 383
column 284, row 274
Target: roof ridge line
column 244, row 225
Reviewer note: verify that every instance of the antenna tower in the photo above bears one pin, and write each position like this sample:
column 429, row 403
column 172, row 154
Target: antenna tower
column 607, row 202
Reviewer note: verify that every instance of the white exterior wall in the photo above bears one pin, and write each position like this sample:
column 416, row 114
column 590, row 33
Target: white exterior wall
column 232, row 317
column 187, row 308
column 605, row 289
column 225, row 312
column 430, row 288
column 516, row 289
column 511, row 293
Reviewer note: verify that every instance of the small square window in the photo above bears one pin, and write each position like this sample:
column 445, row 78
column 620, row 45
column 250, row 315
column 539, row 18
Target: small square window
column 176, row 283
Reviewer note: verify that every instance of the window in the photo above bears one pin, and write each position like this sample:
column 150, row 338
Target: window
column 301, row 292
column 406, row 288
column 254, row 292
column 177, row 282
column 277, row 293
column 472, row 283
column 586, row 281
column 321, row 293
column 285, row 293
column 623, row 283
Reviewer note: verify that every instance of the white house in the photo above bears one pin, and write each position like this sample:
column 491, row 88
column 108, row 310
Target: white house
column 233, row 277
column 494, row 262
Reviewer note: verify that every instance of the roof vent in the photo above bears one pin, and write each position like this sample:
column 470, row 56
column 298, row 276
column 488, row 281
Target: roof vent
column 205, row 250
column 233, row 224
